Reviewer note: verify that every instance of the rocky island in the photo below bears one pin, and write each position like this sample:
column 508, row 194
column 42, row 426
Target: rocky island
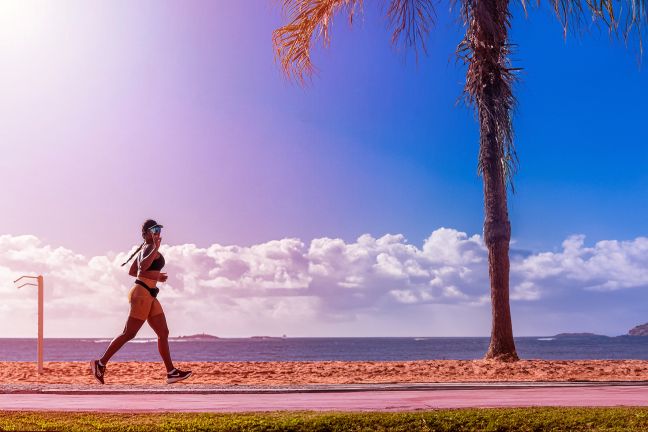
column 577, row 335
column 202, row 337
column 640, row 330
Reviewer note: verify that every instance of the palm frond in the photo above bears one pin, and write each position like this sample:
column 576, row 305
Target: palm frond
column 309, row 20
column 626, row 18
column 411, row 21
column 489, row 81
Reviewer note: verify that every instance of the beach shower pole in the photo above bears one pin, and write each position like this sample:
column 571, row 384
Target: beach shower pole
column 39, row 278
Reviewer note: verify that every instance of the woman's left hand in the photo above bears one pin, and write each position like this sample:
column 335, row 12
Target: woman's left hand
column 163, row 277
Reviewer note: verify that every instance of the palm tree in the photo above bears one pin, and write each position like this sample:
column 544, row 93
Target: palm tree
column 485, row 49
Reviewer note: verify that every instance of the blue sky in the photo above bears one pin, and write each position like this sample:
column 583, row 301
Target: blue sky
column 578, row 126
column 375, row 144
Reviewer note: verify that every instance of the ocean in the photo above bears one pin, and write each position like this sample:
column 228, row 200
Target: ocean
column 332, row 349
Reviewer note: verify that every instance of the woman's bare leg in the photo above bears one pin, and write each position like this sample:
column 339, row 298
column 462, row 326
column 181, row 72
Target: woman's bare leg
column 159, row 325
column 130, row 331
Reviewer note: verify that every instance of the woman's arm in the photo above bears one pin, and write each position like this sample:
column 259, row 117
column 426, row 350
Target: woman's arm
column 133, row 269
column 147, row 255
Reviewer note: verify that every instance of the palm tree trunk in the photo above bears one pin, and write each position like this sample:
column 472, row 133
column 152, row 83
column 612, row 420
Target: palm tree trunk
column 489, row 89
column 497, row 236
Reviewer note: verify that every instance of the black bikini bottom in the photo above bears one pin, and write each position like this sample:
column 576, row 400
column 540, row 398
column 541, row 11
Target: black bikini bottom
column 153, row 291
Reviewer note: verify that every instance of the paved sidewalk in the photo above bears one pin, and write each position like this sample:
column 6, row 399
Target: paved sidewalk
column 350, row 398
column 189, row 388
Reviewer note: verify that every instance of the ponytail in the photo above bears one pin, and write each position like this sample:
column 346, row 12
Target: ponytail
column 134, row 253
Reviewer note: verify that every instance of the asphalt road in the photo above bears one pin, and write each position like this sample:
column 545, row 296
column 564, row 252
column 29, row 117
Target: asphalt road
column 394, row 400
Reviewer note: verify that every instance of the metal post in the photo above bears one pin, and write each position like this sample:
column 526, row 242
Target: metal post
column 40, row 316
column 40, row 324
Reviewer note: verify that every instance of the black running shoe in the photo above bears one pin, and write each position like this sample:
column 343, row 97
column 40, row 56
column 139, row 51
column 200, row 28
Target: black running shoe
column 177, row 375
column 97, row 370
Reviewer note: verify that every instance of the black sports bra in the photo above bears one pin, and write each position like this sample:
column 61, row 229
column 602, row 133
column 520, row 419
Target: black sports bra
column 157, row 263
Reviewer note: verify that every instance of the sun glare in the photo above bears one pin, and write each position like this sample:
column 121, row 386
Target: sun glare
column 22, row 22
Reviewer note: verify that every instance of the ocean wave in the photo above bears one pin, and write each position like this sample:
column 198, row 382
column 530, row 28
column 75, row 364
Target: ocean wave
column 130, row 341
column 546, row 339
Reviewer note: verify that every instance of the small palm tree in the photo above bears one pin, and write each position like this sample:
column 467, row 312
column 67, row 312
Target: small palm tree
column 485, row 49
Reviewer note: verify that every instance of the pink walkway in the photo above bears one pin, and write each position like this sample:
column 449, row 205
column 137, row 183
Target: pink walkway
column 340, row 401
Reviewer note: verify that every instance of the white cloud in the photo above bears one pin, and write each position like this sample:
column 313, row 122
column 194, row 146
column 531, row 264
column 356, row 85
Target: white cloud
column 287, row 284
column 608, row 265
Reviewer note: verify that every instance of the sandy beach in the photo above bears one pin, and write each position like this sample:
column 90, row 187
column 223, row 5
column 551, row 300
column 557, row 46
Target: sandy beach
column 334, row 372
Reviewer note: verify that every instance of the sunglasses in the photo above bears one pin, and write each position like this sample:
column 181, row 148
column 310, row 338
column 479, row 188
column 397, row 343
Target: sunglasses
column 155, row 230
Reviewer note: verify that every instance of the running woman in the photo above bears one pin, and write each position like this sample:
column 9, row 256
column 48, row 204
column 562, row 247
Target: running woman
column 144, row 306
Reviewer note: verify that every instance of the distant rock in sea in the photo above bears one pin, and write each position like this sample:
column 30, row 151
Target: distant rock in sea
column 640, row 330
column 577, row 335
column 196, row 337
